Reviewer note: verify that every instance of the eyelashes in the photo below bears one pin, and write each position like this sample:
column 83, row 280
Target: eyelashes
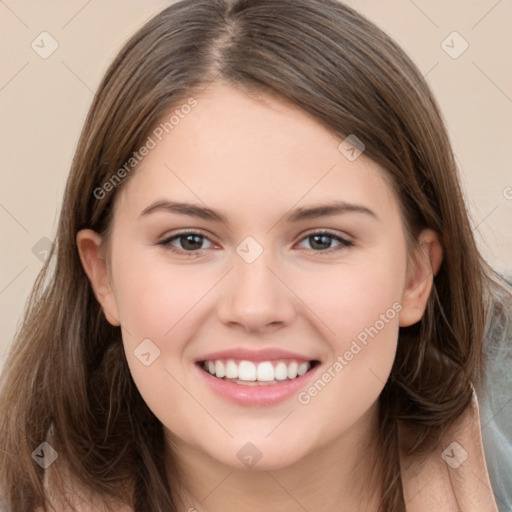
column 184, row 235
column 189, row 240
column 322, row 235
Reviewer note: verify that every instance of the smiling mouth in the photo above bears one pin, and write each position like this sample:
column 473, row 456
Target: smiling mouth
column 262, row 373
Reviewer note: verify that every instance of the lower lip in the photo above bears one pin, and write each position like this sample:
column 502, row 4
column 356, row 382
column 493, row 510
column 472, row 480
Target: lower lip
column 263, row 395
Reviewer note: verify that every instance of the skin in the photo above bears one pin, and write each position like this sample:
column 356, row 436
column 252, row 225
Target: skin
column 255, row 159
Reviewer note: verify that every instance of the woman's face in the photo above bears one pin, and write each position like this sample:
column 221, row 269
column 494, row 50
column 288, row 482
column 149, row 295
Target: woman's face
column 294, row 255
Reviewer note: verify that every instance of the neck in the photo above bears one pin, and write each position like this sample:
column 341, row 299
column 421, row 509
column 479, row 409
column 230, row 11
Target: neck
column 341, row 475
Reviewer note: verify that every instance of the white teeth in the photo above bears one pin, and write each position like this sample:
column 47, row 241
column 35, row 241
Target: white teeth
column 247, row 370
column 220, row 371
column 231, row 370
column 292, row 370
column 303, row 368
column 256, row 373
column 265, row 371
column 281, row 371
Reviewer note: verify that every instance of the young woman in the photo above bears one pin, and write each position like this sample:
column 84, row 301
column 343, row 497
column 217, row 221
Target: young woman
column 265, row 292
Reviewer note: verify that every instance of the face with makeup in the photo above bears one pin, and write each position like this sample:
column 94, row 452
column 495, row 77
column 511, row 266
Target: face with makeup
column 246, row 241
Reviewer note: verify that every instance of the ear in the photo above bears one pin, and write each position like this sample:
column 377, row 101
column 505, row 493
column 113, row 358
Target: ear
column 423, row 265
column 95, row 266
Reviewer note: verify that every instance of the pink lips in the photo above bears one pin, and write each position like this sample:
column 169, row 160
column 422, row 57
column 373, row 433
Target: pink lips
column 269, row 354
column 258, row 395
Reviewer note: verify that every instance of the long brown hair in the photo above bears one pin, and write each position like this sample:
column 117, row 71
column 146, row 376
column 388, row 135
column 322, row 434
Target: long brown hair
column 67, row 375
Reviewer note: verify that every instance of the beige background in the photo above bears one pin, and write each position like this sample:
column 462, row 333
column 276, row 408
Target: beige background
column 44, row 103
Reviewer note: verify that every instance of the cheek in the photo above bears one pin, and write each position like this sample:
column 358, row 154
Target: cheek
column 158, row 302
column 360, row 304
column 353, row 296
column 154, row 302
column 152, row 296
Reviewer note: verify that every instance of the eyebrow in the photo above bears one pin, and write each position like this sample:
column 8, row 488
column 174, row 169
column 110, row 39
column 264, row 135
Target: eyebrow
column 299, row 214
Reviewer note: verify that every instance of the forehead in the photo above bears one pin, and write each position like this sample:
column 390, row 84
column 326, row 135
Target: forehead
column 241, row 150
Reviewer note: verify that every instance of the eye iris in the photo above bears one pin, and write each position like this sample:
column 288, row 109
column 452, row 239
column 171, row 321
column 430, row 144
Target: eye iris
column 325, row 239
column 193, row 241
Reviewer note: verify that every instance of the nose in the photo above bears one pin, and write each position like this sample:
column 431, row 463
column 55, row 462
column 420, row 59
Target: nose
column 256, row 298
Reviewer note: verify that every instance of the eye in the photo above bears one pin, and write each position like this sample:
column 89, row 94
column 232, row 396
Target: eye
column 321, row 241
column 190, row 243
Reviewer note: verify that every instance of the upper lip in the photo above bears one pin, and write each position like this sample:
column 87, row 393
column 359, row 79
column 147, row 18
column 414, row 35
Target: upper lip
column 268, row 354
